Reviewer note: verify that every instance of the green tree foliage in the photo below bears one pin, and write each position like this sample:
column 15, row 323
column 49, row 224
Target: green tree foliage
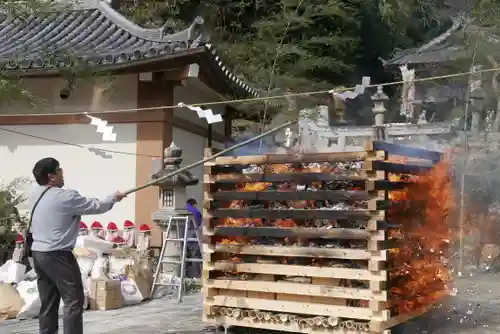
column 297, row 45
column 10, row 198
column 291, row 44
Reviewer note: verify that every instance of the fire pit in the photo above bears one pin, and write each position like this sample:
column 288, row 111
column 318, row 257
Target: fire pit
column 326, row 242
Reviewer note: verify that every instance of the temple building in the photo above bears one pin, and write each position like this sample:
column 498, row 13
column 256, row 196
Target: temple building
column 92, row 59
column 462, row 47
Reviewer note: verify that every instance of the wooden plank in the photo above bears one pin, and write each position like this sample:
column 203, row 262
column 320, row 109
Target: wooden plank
column 294, row 270
column 295, row 307
column 297, row 288
column 291, row 213
column 331, row 195
column 292, row 251
column 259, row 293
column 328, row 283
column 282, row 177
column 300, row 232
column 291, row 158
column 395, row 168
column 232, row 293
column 396, row 149
column 286, row 327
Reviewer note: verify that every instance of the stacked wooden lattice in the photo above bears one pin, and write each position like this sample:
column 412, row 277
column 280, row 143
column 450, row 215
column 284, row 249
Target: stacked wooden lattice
column 300, row 243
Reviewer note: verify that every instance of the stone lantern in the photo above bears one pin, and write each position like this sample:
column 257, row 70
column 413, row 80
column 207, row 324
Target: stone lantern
column 379, row 99
column 173, row 200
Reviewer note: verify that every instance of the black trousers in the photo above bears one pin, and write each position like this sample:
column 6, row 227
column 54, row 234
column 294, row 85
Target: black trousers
column 59, row 278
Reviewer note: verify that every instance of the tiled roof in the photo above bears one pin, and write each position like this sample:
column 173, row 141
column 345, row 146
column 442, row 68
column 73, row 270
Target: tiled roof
column 98, row 35
column 440, row 49
column 437, row 54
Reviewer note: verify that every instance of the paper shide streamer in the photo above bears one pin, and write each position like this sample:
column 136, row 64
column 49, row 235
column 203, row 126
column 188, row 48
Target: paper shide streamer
column 203, row 113
column 103, row 128
column 358, row 90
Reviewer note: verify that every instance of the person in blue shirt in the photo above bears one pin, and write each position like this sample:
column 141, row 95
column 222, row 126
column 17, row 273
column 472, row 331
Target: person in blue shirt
column 191, row 207
column 194, row 269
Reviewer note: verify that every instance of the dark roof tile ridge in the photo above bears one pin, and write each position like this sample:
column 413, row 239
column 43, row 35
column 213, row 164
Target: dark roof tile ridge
column 151, row 34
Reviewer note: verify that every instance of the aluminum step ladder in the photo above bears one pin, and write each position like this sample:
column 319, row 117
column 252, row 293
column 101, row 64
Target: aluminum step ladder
column 179, row 225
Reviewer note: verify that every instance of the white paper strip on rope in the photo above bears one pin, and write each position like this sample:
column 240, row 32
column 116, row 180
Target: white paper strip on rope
column 358, row 90
column 103, row 128
column 203, row 113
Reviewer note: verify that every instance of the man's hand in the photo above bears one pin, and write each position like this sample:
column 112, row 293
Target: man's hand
column 119, row 196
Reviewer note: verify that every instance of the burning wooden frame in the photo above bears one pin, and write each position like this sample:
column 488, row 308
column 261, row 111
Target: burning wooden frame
column 325, row 242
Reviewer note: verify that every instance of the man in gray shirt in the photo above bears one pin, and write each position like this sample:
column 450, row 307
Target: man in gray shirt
column 55, row 225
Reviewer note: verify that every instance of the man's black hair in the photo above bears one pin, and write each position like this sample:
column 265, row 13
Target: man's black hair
column 43, row 168
column 192, row 201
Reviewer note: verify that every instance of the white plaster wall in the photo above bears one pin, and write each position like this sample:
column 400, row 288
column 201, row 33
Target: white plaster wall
column 191, row 94
column 92, row 174
column 193, row 147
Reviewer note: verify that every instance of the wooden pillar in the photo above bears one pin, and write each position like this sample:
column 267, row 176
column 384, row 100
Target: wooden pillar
column 154, row 134
column 379, row 98
column 228, row 122
column 209, row 137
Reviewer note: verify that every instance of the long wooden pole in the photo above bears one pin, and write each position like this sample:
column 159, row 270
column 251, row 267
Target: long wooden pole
column 221, row 153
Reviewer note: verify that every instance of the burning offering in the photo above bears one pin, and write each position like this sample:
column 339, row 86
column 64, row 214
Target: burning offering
column 296, row 238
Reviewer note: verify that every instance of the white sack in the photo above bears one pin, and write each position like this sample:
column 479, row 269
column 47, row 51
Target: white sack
column 131, row 293
column 100, row 268
column 117, row 266
column 12, row 272
column 86, row 265
column 28, row 291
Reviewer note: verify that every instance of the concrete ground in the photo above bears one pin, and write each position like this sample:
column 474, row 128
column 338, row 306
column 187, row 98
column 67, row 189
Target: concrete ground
column 160, row 316
column 474, row 310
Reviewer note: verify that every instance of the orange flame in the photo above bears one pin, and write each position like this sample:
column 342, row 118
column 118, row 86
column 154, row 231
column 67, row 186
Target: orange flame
column 419, row 270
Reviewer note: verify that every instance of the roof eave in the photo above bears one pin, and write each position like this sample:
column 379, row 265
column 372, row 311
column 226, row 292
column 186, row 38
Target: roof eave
column 228, row 84
column 115, row 68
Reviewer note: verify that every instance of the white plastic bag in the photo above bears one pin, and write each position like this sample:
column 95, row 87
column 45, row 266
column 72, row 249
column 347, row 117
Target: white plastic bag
column 86, row 265
column 31, row 275
column 28, row 291
column 17, row 255
column 117, row 266
column 12, row 272
column 100, row 269
column 131, row 293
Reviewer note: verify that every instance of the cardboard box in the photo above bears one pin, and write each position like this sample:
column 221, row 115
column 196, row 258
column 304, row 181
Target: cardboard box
column 105, row 295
